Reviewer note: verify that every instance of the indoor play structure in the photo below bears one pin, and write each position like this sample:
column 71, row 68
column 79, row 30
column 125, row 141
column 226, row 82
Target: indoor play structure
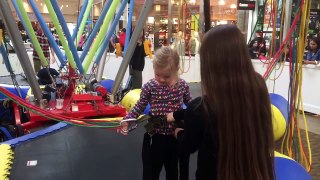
column 79, row 96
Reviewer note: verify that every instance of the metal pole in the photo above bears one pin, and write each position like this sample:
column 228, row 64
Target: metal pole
column 101, row 66
column 133, row 42
column 207, row 15
column 13, row 31
column 169, row 21
column 201, row 19
column 287, row 18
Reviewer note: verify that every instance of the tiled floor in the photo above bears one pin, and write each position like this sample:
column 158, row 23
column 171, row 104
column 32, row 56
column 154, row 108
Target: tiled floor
column 313, row 123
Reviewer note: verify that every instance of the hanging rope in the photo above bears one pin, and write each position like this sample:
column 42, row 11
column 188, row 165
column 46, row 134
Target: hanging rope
column 292, row 143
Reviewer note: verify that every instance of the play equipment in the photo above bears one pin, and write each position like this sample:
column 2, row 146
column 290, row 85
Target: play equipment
column 287, row 168
column 71, row 97
column 280, row 111
column 131, row 98
column 278, row 122
column 289, row 32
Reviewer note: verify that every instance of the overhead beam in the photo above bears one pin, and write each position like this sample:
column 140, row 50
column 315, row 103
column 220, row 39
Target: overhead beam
column 207, row 15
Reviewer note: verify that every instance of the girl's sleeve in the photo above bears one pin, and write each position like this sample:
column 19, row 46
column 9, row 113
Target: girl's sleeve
column 142, row 103
column 186, row 96
column 179, row 115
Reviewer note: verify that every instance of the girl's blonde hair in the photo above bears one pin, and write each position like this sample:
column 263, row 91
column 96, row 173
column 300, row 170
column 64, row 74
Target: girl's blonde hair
column 166, row 57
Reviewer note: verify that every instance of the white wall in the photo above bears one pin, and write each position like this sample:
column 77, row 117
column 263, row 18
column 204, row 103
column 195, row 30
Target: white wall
column 310, row 78
column 191, row 66
column 310, row 84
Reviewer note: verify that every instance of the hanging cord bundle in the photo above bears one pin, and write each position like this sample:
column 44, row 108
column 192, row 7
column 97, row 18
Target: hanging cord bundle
column 292, row 144
column 274, row 21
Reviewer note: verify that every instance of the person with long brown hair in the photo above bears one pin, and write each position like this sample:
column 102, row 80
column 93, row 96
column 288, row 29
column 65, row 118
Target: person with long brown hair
column 231, row 124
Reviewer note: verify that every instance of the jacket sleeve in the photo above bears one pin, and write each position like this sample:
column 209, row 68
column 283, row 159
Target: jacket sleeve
column 194, row 127
column 179, row 115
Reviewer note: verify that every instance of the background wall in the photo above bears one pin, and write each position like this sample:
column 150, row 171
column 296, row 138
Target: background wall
column 310, row 79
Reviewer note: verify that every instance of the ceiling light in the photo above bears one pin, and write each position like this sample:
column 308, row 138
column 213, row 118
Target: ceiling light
column 222, row 2
column 158, row 7
column 151, row 20
column 233, row 6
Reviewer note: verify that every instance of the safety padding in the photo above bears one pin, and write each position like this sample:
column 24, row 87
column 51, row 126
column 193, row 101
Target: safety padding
column 278, row 122
column 6, row 160
column 286, row 169
column 34, row 135
column 277, row 154
column 108, row 84
column 131, row 98
column 23, row 90
column 281, row 103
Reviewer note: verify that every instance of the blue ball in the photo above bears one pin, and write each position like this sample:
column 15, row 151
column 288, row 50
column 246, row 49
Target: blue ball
column 287, row 169
column 108, row 84
column 282, row 104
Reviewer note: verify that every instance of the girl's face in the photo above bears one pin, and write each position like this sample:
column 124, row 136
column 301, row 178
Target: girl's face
column 313, row 45
column 166, row 76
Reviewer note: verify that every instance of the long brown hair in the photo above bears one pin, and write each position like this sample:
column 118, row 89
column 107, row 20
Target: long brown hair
column 239, row 99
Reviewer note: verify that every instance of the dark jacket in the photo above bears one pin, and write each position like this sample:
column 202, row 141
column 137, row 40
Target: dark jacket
column 260, row 40
column 44, row 77
column 196, row 137
column 137, row 60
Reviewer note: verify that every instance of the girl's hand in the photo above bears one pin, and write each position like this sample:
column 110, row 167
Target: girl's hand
column 170, row 117
column 123, row 129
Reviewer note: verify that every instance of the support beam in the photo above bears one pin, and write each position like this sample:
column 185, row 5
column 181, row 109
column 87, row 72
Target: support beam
column 101, row 66
column 287, row 18
column 207, row 15
column 133, row 42
column 169, row 21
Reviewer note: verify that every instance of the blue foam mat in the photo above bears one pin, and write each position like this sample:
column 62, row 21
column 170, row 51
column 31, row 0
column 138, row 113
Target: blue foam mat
column 23, row 89
column 34, row 135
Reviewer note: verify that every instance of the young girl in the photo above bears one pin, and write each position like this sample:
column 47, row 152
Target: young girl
column 165, row 93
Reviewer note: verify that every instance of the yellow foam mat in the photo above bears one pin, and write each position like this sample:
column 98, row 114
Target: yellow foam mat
column 6, row 160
